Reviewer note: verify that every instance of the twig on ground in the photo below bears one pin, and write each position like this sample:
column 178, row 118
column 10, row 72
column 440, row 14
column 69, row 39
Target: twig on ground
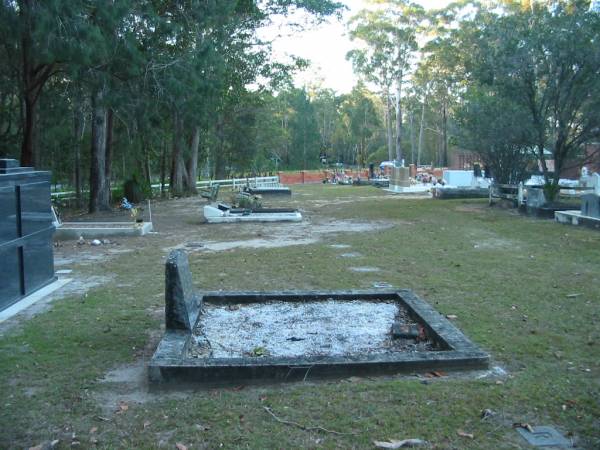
column 299, row 425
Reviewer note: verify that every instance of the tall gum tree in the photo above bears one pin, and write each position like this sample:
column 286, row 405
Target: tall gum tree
column 389, row 34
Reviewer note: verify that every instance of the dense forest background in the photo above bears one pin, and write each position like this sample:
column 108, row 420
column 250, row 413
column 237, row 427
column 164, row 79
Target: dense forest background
column 101, row 92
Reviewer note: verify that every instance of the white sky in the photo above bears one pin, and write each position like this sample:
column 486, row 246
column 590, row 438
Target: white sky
column 325, row 45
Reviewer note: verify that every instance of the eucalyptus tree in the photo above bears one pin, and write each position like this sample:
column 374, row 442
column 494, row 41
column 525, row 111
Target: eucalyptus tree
column 499, row 130
column 304, row 130
column 388, row 33
column 361, row 121
column 546, row 60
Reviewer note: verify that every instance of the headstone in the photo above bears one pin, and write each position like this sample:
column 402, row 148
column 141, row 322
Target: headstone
column 590, row 205
column 458, row 178
column 400, row 177
column 182, row 303
column 535, row 197
column 26, row 229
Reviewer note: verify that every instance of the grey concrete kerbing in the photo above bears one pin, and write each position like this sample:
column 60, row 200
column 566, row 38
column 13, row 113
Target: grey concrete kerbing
column 170, row 362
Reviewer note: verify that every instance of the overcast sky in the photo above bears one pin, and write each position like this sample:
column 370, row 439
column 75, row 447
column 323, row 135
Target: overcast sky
column 326, row 46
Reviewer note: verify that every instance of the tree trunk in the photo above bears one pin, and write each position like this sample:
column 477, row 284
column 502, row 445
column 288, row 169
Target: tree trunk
column 444, row 135
column 28, row 127
column 108, row 152
column 399, row 155
column 163, row 167
column 78, row 132
column 388, row 125
column 99, row 199
column 34, row 76
column 147, row 174
column 421, row 129
column 192, row 162
column 176, row 179
column 412, row 136
column 219, row 149
column 542, row 157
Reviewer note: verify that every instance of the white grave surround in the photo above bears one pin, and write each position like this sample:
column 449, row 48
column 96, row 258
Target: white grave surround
column 413, row 189
column 93, row 230
column 573, row 217
column 213, row 214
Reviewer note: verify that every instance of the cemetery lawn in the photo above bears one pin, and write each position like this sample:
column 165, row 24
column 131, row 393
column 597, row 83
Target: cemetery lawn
column 525, row 290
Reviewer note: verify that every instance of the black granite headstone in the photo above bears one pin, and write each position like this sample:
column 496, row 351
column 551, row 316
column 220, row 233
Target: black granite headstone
column 590, row 205
column 26, row 229
column 182, row 303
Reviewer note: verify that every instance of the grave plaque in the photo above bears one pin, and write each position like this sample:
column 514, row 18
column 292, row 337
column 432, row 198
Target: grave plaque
column 26, row 256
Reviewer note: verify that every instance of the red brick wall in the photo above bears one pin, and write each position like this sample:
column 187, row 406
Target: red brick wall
column 572, row 169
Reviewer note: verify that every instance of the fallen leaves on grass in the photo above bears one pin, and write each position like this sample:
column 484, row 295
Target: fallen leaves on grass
column 435, row 374
column 122, row 407
column 523, row 425
column 399, row 444
column 461, row 433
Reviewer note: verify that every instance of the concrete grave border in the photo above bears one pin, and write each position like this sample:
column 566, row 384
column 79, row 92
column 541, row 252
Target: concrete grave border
column 184, row 307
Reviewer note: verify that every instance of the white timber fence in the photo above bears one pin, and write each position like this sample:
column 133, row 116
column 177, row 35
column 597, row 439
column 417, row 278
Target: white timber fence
column 235, row 183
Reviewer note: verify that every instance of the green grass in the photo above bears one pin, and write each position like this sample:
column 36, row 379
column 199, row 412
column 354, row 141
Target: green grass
column 505, row 276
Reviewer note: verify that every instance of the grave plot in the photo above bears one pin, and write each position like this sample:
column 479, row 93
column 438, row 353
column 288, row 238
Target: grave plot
column 285, row 336
column 91, row 230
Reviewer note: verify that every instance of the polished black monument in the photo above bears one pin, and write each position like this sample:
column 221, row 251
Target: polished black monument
column 26, row 229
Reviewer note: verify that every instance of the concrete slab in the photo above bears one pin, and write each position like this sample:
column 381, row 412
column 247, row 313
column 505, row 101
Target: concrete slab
column 97, row 230
column 574, row 217
column 545, row 437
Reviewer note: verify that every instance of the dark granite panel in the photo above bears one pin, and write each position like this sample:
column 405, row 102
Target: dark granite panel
column 8, row 214
column 35, row 207
column 26, row 252
column 8, row 163
column 38, row 261
column 10, row 282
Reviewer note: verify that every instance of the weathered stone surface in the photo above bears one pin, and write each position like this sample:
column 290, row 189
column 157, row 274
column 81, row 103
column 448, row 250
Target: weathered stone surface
column 172, row 363
column 590, row 205
column 182, row 303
